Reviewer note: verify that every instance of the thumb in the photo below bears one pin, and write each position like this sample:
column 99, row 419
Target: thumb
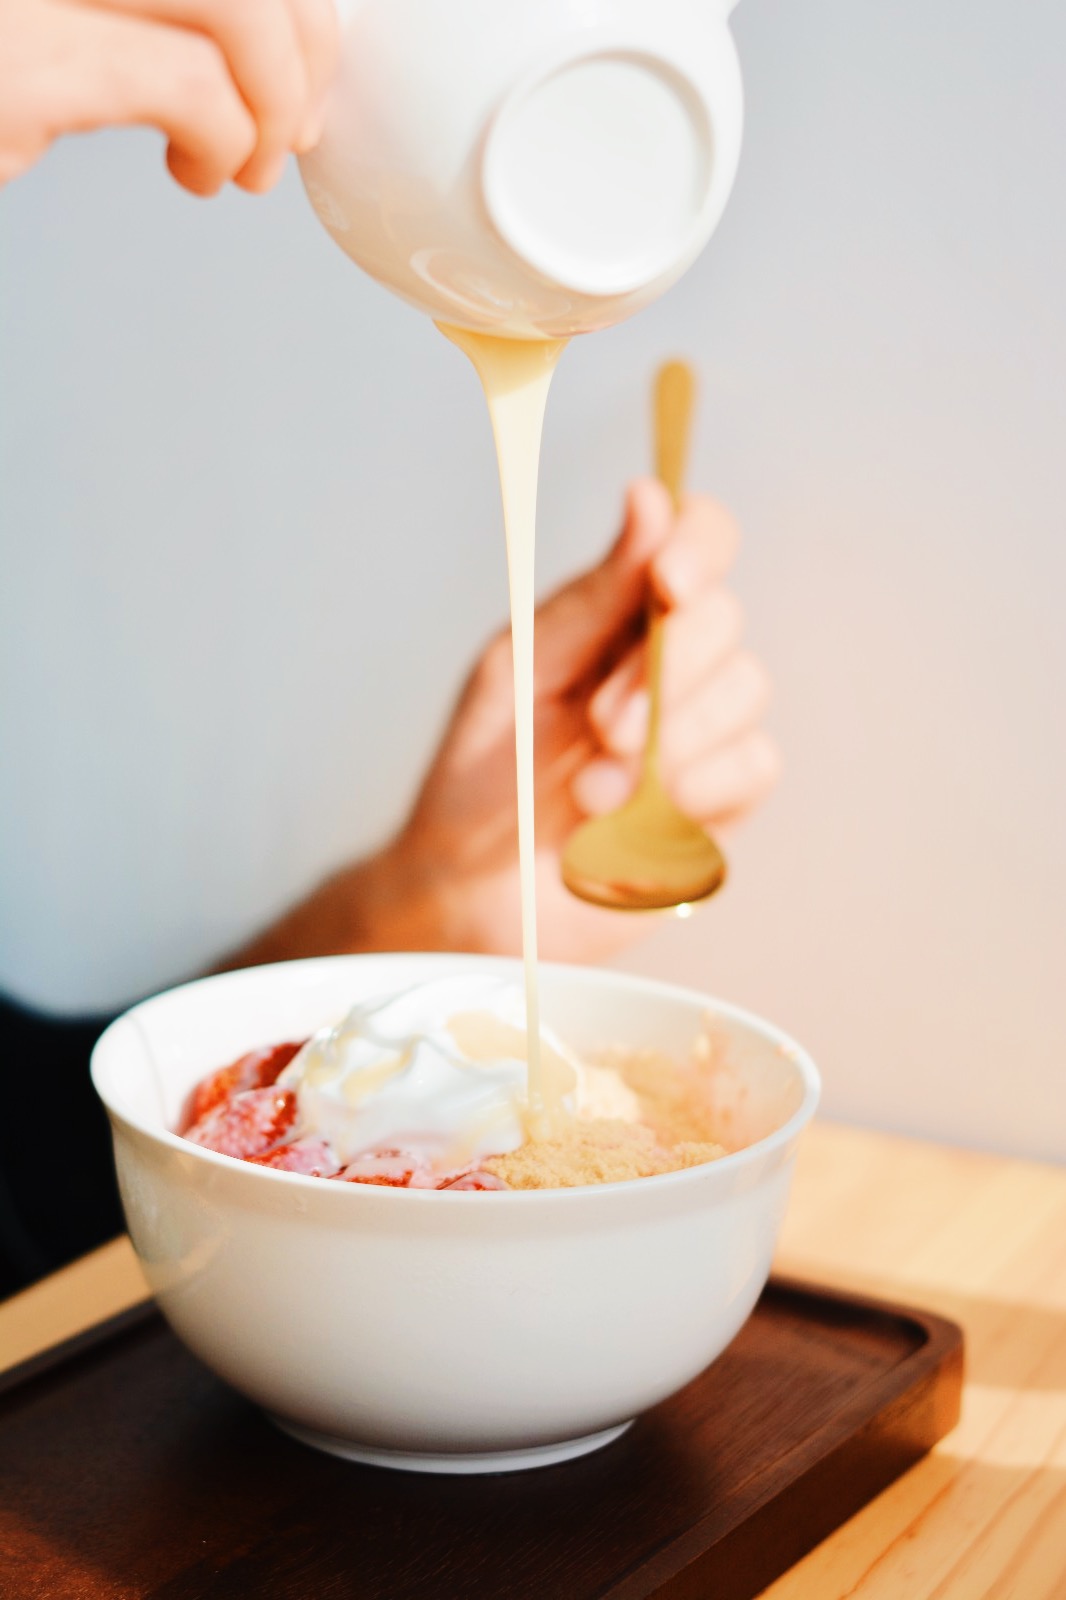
column 576, row 627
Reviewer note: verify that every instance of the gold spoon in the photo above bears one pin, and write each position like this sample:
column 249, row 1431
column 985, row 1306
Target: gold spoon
column 648, row 855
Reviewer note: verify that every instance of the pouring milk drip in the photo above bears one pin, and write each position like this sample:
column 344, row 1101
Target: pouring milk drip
column 522, row 173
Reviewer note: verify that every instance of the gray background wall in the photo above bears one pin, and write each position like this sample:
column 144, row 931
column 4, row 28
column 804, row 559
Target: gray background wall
column 234, row 474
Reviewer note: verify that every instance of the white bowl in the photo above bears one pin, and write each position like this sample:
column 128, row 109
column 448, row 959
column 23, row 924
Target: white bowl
column 454, row 1331
column 537, row 170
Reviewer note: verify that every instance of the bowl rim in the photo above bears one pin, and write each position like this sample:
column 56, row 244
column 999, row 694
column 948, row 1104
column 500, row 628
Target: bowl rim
column 590, row 976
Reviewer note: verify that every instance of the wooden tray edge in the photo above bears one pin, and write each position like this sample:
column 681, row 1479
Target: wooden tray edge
column 900, row 1428
column 79, row 1344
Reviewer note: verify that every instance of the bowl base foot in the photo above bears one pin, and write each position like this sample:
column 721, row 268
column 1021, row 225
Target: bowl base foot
column 543, row 1455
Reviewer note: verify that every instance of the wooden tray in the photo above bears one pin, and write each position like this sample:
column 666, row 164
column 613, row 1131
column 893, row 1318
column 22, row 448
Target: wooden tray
column 127, row 1470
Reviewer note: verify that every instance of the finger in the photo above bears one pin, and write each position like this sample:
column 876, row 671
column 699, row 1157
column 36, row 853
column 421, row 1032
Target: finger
column 720, row 787
column 699, row 552
column 318, row 30
column 696, row 640
column 610, row 704
column 627, row 732
column 603, row 785
column 577, row 627
column 168, row 78
column 728, row 781
column 716, row 713
column 262, row 52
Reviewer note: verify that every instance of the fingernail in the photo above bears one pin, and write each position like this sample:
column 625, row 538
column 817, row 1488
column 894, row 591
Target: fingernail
column 675, row 571
column 630, row 727
column 610, row 695
column 601, row 786
column 312, row 129
column 258, row 179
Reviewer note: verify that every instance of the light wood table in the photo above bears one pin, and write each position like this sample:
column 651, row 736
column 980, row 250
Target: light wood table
column 976, row 1237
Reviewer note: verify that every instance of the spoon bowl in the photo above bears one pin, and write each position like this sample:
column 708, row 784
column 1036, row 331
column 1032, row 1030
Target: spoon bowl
column 646, row 856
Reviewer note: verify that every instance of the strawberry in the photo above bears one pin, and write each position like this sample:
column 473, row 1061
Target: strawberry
column 256, row 1070
column 397, row 1181
column 393, row 1168
column 249, row 1124
column 473, row 1180
column 312, row 1157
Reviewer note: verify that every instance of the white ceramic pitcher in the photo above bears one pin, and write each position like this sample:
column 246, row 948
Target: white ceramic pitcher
column 529, row 167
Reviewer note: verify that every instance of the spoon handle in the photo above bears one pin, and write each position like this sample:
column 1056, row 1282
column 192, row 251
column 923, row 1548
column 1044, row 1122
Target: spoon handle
column 675, row 398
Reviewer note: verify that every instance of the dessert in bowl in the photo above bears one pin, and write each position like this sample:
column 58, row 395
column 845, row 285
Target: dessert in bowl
column 443, row 1328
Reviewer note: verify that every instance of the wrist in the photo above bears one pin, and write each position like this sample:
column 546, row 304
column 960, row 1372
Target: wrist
column 381, row 903
column 385, row 902
column 390, row 901
column 431, row 899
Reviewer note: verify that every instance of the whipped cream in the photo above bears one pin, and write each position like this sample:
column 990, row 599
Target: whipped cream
column 439, row 1070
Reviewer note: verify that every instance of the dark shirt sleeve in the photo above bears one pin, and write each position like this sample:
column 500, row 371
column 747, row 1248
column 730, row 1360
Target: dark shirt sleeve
column 57, row 1185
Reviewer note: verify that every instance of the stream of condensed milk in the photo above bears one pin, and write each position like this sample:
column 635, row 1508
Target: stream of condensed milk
column 515, row 375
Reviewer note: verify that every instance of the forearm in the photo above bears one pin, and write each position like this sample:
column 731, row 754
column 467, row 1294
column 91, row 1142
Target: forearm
column 386, row 902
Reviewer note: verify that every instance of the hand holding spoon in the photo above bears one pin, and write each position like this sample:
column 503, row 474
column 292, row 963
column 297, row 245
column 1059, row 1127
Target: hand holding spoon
column 648, row 855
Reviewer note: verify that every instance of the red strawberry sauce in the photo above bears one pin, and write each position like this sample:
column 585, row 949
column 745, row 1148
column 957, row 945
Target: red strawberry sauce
column 238, row 1111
